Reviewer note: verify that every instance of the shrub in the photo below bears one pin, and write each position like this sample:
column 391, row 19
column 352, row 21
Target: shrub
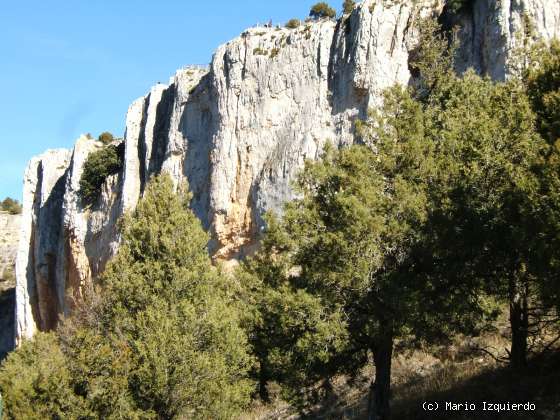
column 293, row 23
column 99, row 165
column 543, row 83
column 106, row 137
column 35, row 382
column 260, row 51
column 169, row 318
column 11, row 206
column 322, row 10
column 348, row 6
column 8, row 275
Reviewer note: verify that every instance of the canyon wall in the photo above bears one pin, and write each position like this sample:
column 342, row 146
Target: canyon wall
column 240, row 130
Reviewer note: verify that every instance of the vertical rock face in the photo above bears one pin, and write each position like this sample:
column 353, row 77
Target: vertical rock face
column 491, row 31
column 9, row 236
column 36, row 262
column 240, row 130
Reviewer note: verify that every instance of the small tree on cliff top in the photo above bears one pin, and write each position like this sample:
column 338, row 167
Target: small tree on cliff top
column 106, row 137
column 11, row 206
column 348, row 6
column 322, row 10
column 98, row 166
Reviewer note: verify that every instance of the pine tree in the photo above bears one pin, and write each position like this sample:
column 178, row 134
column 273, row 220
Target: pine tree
column 168, row 315
column 499, row 192
column 160, row 338
column 358, row 271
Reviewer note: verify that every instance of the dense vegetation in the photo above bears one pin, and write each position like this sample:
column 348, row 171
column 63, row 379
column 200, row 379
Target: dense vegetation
column 98, row 166
column 443, row 215
column 162, row 339
column 11, row 206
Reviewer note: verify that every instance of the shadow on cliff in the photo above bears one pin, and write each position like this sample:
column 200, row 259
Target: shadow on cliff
column 198, row 125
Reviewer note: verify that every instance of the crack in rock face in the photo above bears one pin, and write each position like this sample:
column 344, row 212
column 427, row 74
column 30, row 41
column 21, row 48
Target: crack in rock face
column 239, row 131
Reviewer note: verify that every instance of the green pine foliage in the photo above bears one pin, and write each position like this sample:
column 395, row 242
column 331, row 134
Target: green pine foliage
column 11, row 206
column 500, row 194
column 98, row 166
column 322, row 10
column 168, row 308
column 161, row 338
column 348, row 6
column 106, row 137
column 36, row 384
column 543, row 83
column 542, row 80
column 414, row 235
column 293, row 23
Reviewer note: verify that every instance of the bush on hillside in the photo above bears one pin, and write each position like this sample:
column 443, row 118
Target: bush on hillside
column 106, row 137
column 99, row 165
column 322, row 10
column 293, row 23
column 11, row 206
column 348, row 6
column 8, row 276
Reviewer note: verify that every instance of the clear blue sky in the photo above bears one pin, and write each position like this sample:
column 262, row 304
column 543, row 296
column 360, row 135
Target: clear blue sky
column 74, row 66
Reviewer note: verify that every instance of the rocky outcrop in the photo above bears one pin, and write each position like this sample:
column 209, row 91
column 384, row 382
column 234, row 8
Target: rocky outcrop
column 491, row 31
column 9, row 235
column 239, row 131
column 37, row 284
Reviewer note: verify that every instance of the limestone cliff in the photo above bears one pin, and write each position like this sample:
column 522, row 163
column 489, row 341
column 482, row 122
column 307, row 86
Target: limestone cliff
column 240, row 130
column 9, row 235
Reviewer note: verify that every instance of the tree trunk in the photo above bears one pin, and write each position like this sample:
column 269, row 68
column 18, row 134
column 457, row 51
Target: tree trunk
column 380, row 389
column 263, row 381
column 519, row 322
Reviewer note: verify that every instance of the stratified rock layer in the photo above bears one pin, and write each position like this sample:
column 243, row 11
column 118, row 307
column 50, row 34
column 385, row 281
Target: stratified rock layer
column 240, row 130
